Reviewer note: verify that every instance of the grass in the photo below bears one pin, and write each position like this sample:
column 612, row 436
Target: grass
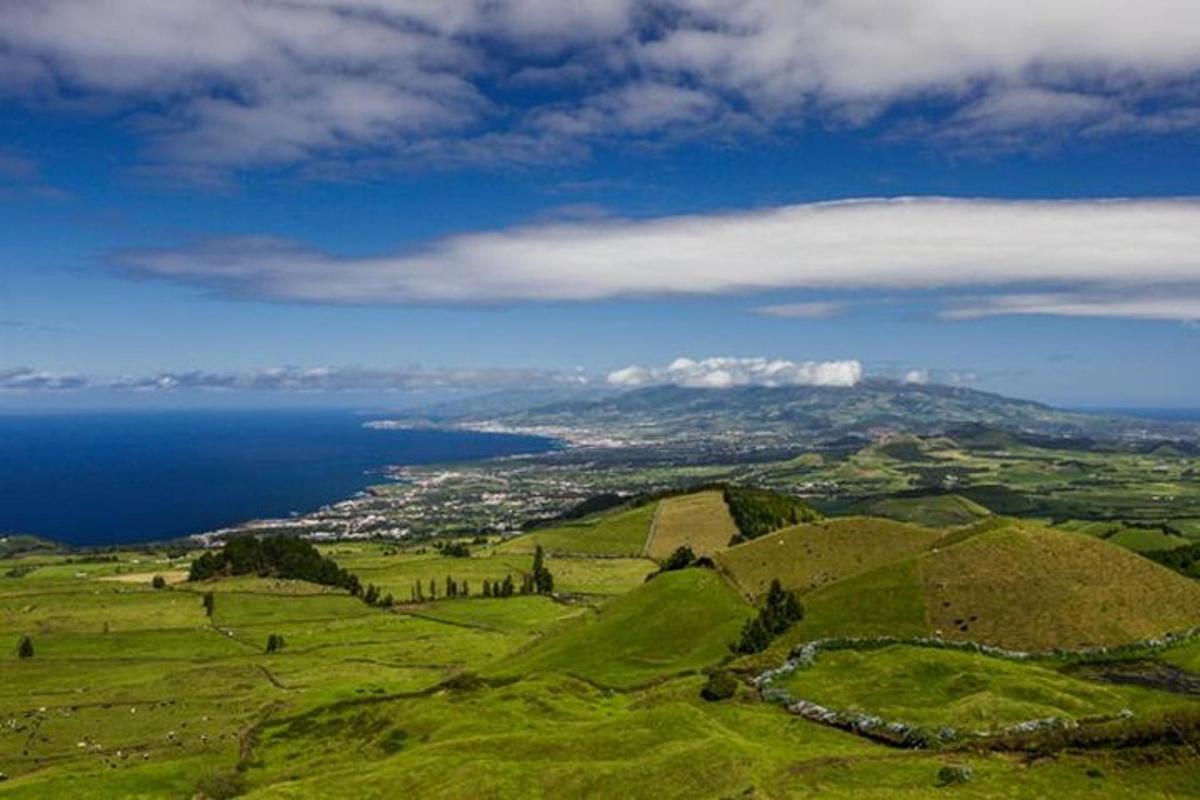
column 679, row 622
column 807, row 557
column 933, row 688
column 935, row 511
column 613, row 534
column 1011, row 585
column 134, row 692
column 1030, row 587
column 700, row 521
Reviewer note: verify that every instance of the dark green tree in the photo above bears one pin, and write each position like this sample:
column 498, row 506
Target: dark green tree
column 25, row 647
column 680, row 559
column 487, row 588
column 209, row 603
column 721, row 685
column 159, row 582
column 274, row 643
column 543, row 581
column 371, row 596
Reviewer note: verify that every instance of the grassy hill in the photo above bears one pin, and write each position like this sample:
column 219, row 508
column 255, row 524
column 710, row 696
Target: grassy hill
column 934, row 510
column 677, row 622
column 1019, row 586
column 700, row 521
column 807, row 557
column 621, row 532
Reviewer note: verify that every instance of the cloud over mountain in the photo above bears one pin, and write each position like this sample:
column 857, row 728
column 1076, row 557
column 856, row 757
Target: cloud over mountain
column 724, row 372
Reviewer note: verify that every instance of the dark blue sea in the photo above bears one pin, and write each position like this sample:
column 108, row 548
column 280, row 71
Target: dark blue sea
column 105, row 478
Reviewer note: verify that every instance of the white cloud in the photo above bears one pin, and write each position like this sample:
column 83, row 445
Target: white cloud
column 724, row 372
column 221, row 84
column 813, row 310
column 906, row 244
column 1168, row 303
column 916, row 377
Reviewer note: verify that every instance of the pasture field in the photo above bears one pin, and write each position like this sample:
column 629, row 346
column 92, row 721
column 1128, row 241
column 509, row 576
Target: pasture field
column 700, row 521
column 678, row 622
column 613, row 534
column 934, row 688
column 807, row 557
column 594, row 691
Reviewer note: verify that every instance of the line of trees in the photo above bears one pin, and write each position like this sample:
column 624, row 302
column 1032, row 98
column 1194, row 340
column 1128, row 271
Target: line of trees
column 780, row 611
column 539, row 580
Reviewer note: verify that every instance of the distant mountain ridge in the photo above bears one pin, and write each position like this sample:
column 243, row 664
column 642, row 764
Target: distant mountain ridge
column 808, row 412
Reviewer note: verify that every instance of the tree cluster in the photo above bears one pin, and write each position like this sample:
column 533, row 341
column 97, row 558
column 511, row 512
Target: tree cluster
column 455, row 549
column 277, row 557
column 777, row 614
column 758, row 512
column 1184, row 560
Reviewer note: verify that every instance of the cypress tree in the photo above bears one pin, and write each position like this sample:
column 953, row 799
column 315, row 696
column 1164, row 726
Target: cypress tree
column 25, row 647
column 209, row 604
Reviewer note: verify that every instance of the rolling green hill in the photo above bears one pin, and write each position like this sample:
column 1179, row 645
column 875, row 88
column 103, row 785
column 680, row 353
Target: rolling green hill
column 621, row 532
column 934, row 510
column 1018, row 586
column 678, row 622
column 807, row 557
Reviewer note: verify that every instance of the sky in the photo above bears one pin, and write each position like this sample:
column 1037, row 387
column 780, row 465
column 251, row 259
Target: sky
column 332, row 201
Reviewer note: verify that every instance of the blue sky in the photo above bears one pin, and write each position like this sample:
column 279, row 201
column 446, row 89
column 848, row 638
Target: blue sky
column 241, row 200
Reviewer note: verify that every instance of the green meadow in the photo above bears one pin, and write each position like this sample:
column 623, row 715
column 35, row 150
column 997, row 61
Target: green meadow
column 594, row 689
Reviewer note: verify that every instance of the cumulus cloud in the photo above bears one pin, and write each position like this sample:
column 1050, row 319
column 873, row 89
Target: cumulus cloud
column 297, row 379
column 721, row 373
column 222, row 84
column 916, row 377
column 907, row 244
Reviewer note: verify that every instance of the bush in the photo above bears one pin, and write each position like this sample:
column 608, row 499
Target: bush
column 721, row 685
column 953, row 774
column 159, row 582
column 682, row 558
column 221, row 786
column 25, row 647
column 275, row 643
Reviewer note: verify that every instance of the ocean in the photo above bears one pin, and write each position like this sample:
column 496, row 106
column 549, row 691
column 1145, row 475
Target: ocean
column 119, row 477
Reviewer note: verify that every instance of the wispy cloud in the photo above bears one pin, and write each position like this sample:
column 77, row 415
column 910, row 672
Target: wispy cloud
column 296, row 379
column 725, row 372
column 1104, row 249
column 1172, row 302
column 813, row 310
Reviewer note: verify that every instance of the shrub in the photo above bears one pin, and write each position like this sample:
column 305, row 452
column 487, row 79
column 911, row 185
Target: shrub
column 682, row 558
column 25, row 647
column 952, row 774
column 159, row 582
column 275, row 643
column 221, row 786
column 209, row 604
column 721, row 685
